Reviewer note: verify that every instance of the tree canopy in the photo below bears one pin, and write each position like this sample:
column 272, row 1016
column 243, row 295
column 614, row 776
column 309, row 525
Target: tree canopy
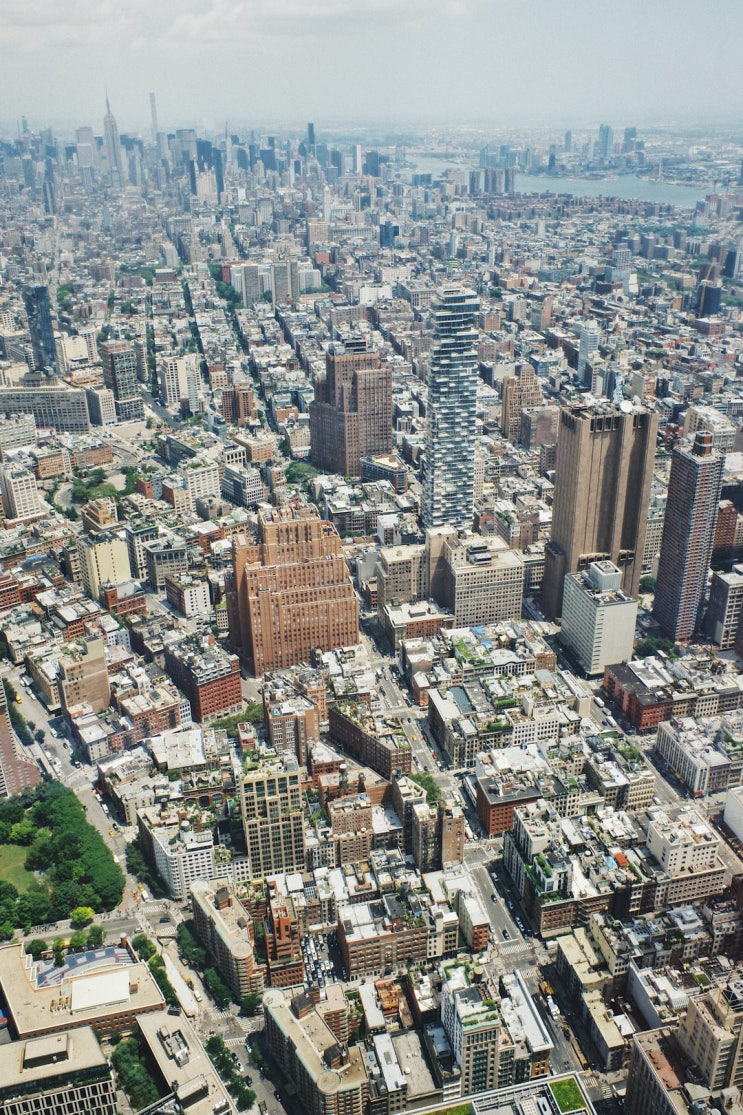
column 75, row 868
column 429, row 784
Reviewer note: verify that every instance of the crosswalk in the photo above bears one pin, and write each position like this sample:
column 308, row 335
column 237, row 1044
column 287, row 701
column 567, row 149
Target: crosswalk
column 599, row 1087
column 151, row 908
column 515, row 946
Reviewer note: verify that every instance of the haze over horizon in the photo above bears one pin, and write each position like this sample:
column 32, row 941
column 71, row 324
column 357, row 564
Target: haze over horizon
column 497, row 63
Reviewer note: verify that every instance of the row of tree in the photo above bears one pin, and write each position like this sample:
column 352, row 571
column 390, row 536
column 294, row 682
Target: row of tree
column 146, row 951
column 79, row 941
column 220, row 1057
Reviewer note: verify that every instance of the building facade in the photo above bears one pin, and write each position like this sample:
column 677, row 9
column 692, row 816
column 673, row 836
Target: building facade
column 329, row 1079
column 291, row 593
column 120, row 376
column 598, row 619
column 449, row 475
column 518, row 391
column 41, row 330
column 20, row 495
column 272, row 810
column 605, row 458
column 64, row 408
column 223, row 926
column 104, row 559
column 351, row 415
column 17, row 769
column 694, row 491
column 208, row 677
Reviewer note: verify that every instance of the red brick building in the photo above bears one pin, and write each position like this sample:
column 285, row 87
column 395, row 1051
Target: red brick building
column 291, row 593
column 496, row 803
column 123, row 604
column 356, row 733
column 208, row 677
column 238, row 404
column 283, row 943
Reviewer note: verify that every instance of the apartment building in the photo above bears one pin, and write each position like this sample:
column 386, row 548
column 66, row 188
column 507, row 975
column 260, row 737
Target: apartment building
column 225, row 929
column 380, row 937
column 21, row 499
column 83, row 674
column 272, row 806
column 328, row 1077
column 208, row 677
column 181, row 853
column 104, row 559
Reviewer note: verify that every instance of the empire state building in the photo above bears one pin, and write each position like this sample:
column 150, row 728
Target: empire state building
column 113, row 147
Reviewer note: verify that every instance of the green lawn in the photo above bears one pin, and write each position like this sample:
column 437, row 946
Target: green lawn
column 567, row 1095
column 12, row 859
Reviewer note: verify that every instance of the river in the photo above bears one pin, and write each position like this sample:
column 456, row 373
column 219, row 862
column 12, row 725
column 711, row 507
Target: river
column 625, row 186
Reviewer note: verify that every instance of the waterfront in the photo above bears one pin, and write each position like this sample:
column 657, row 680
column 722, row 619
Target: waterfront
column 624, row 186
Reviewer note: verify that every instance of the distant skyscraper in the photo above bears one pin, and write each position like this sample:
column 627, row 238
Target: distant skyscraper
column 630, row 140
column 85, row 148
column 709, row 298
column 694, row 491
column 153, row 115
column 606, row 142
column 49, row 188
column 605, row 457
column 39, row 314
column 113, row 147
column 568, row 144
column 311, row 138
column 732, row 261
column 449, row 479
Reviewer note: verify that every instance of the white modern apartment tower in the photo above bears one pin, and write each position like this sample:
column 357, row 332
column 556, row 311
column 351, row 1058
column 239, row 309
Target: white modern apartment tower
column 449, row 478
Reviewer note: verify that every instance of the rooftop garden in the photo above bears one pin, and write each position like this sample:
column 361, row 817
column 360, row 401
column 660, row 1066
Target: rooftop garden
column 567, row 1095
column 629, row 752
column 429, row 784
column 506, row 702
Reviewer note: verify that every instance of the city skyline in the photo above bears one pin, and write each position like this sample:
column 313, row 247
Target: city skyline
column 446, row 61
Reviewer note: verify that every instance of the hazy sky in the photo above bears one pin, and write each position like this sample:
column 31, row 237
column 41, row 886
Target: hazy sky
column 393, row 62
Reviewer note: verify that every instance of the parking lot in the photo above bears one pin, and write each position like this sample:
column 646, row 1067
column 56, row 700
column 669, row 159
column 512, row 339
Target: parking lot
column 322, row 960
